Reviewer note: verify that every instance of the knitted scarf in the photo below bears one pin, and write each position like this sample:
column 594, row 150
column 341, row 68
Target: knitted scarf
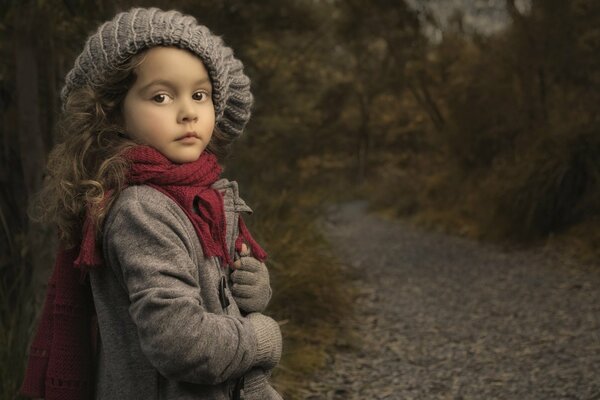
column 61, row 357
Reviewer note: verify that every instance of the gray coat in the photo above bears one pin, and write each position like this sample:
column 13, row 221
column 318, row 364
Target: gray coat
column 164, row 330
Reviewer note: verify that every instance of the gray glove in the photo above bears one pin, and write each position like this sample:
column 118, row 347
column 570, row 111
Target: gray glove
column 268, row 340
column 257, row 386
column 251, row 289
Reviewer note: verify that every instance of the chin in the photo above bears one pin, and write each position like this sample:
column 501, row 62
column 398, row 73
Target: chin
column 184, row 158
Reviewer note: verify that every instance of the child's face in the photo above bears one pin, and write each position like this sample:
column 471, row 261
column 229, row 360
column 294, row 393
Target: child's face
column 170, row 106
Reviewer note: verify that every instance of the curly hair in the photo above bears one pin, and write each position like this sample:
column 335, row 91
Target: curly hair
column 86, row 169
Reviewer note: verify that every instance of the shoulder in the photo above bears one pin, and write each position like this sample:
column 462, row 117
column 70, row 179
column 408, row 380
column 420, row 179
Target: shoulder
column 141, row 194
column 146, row 204
column 143, row 217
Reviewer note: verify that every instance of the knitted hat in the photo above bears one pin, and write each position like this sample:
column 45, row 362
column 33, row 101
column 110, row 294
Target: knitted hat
column 130, row 32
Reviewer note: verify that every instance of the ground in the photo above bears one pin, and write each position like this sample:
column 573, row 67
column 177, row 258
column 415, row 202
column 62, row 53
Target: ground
column 442, row 317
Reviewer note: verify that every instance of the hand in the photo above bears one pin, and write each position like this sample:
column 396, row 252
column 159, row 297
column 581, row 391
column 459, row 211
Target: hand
column 257, row 387
column 251, row 288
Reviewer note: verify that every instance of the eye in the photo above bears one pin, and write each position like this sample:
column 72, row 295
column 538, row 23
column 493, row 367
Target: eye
column 200, row 96
column 160, row 98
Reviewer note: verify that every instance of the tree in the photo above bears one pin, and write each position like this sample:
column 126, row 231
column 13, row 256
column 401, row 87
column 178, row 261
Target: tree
column 379, row 38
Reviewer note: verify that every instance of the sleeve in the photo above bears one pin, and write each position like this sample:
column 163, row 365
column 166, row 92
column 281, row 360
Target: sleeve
column 146, row 245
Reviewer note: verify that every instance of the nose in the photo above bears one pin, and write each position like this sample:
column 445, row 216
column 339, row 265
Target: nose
column 187, row 112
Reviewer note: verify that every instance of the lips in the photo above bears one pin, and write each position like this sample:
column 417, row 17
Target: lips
column 188, row 135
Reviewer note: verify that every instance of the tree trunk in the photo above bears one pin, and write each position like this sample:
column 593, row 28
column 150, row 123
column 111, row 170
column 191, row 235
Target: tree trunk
column 29, row 136
column 53, row 90
column 30, row 140
column 427, row 103
column 363, row 139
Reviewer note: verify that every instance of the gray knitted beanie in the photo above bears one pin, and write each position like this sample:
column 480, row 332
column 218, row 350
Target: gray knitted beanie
column 130, row 32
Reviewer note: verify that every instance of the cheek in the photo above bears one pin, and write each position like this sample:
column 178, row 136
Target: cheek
column 146, row 119
column 209, row 118
column 153, row 118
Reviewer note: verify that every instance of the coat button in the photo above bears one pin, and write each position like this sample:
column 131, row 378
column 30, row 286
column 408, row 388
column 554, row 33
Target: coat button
column 222, row 295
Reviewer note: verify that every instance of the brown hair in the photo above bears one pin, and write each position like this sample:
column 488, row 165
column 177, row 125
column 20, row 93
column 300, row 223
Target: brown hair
column 87, row 162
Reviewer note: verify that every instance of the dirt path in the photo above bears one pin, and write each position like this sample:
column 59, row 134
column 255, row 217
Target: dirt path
column 448, row 318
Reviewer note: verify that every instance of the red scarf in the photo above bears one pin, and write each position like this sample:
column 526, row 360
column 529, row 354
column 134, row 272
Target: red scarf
column 60, row 364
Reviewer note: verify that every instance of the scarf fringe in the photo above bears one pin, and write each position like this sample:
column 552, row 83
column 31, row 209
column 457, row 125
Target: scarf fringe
column 245, row 236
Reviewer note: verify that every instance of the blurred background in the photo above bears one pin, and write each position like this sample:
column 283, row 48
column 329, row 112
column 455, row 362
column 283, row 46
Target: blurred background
column 475, row 117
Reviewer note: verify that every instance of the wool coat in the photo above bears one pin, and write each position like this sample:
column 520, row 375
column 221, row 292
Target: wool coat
column 169, row 327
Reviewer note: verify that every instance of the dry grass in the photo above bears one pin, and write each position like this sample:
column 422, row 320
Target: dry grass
column 18, row 308
column 578, row 245
column 311, row 299
column 550, row 197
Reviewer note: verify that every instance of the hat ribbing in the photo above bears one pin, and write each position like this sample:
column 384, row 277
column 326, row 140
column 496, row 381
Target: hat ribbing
column 138, row 29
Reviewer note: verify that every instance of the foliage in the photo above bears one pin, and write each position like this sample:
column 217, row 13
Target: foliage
column 513, row 127
column 18, row 309
column 550, row 187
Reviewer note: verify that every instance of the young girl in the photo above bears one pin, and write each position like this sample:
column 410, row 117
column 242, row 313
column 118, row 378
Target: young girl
column 158, row 288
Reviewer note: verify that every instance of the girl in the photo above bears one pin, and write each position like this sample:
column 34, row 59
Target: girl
column 158, row 287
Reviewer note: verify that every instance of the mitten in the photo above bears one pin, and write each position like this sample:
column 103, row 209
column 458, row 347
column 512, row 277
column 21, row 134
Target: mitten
column 250, row 285
column 257, row 386
column 268, row 340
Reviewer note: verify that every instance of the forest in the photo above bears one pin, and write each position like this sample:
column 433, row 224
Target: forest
column 485, row 134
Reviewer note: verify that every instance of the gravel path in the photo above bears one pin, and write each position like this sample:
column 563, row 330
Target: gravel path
column 442, row 317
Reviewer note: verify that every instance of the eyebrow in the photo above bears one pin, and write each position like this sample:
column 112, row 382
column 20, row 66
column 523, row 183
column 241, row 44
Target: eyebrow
column 170, row 84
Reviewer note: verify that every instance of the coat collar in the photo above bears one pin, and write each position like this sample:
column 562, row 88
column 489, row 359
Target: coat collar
column 231, row 196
